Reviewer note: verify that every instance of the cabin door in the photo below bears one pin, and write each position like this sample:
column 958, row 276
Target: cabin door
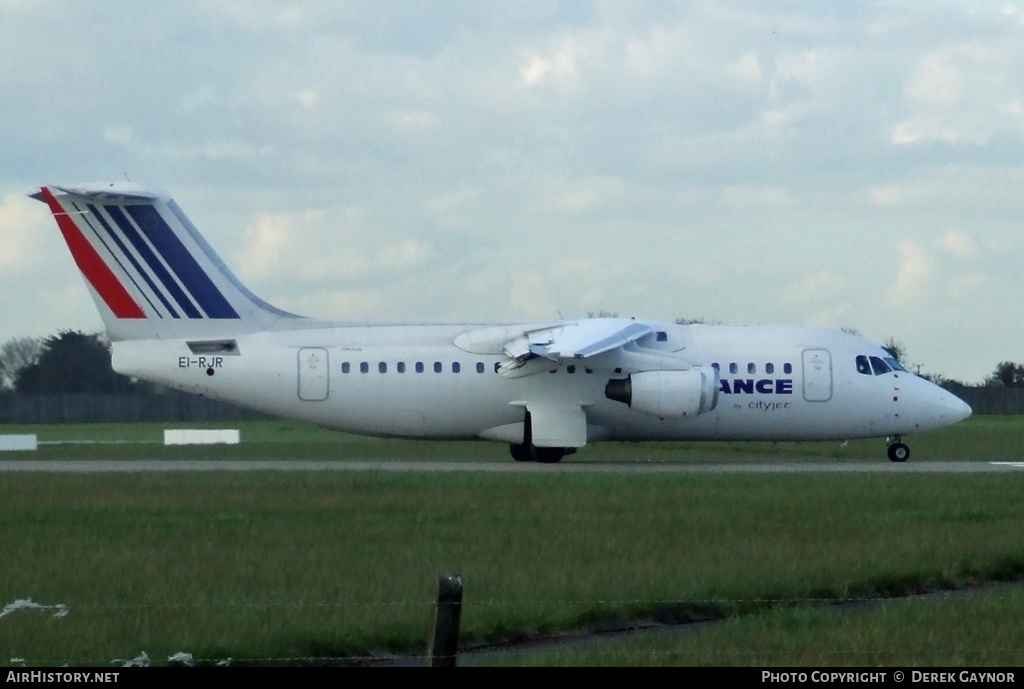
column 817, row 375
column 314, row 374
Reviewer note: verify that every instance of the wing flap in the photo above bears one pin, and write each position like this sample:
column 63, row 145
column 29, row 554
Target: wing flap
column 575, row 340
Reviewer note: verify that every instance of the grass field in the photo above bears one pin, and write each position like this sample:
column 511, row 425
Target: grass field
column 285, row 568
column 984, row 438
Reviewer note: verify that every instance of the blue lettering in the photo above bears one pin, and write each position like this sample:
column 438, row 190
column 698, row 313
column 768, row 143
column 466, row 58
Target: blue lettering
column 739, row 385
column 764, row 386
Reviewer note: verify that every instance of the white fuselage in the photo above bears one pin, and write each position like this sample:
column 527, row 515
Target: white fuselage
column 415, row 381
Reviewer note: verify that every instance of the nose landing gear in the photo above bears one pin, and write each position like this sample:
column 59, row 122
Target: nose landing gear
column 898, row 451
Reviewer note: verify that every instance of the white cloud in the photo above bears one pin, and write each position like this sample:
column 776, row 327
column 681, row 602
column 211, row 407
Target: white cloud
column 529, row 295
column 913, row 274
column 959, row 245
column 561, row 66
column 661, row 141
column 122, row 135
column 312, row 247
column 413, row 121
column 309, row 99
column 264, row 241
column 23, row 224
column 402, row 255
column 739, row 197
column 658, row 53
column 822, row 285
column 894, row 195
column 748, row 67
column 806, row 68
column 577, row 196
column 965, row 288
column 963, row 94
column 453, row 210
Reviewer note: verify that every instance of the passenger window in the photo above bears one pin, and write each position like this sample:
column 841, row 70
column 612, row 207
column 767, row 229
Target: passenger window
column 751, row 368
column 479, row 367
column 345, row 367
column 734, row 368
column 497, row 366
column 716, row 366
column 879, row 366
column 570, row 369
column 769, row 368
column 364, row 367
column 438, row 367
column 862, row 365
column 419, row 367
column 382, row 367
column 456, row 367
column 401, row 367
column 787, row 368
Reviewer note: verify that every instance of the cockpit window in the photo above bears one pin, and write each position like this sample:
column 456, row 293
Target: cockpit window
column 876, row 366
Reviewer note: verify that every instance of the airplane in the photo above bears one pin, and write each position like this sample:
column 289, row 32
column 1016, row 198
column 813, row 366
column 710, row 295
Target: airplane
column 176, row 315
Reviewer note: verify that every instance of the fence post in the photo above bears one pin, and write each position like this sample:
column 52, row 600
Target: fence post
column 445, row 639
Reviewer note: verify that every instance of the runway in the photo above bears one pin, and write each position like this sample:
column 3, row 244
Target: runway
column 199, row 465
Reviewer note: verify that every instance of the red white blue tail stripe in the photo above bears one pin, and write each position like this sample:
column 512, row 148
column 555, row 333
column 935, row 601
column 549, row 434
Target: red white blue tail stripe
column 150, row 270
column 138, row 238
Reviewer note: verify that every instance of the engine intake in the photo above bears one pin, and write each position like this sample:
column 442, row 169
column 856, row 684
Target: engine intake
column 667, row 393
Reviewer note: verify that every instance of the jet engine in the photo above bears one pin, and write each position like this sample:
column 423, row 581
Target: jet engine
column 667, row 393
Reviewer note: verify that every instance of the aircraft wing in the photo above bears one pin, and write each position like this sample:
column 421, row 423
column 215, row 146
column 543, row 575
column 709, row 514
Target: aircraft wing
column 573, row 341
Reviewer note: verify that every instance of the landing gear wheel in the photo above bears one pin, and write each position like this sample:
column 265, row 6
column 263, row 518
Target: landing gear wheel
column 521, row 452
column 548, row 455
column 898, row 452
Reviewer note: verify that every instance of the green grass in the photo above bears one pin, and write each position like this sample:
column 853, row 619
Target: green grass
column 283, row 567
column 985, row 438
column 980, row 629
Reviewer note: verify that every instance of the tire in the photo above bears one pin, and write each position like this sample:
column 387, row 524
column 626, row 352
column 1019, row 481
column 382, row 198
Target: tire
column 898, row 452
column 549, row 455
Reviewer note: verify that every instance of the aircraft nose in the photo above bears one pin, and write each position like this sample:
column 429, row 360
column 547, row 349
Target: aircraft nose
column 946, row 408
column 930, row 406
column 958, row 409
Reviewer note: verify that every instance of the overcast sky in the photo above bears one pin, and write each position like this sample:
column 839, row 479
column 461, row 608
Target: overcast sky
column 841, row 164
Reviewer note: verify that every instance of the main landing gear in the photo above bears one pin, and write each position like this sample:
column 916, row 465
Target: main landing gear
column 545, row 455
column 526, row 451
column 898, row 451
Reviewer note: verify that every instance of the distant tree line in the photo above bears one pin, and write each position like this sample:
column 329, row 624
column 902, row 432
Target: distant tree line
column 70, row 362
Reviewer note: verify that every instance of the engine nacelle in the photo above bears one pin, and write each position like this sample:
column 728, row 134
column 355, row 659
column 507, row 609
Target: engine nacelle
column 667, row 393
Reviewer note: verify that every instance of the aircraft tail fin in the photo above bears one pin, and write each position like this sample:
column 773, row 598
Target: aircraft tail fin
column 148, row 269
